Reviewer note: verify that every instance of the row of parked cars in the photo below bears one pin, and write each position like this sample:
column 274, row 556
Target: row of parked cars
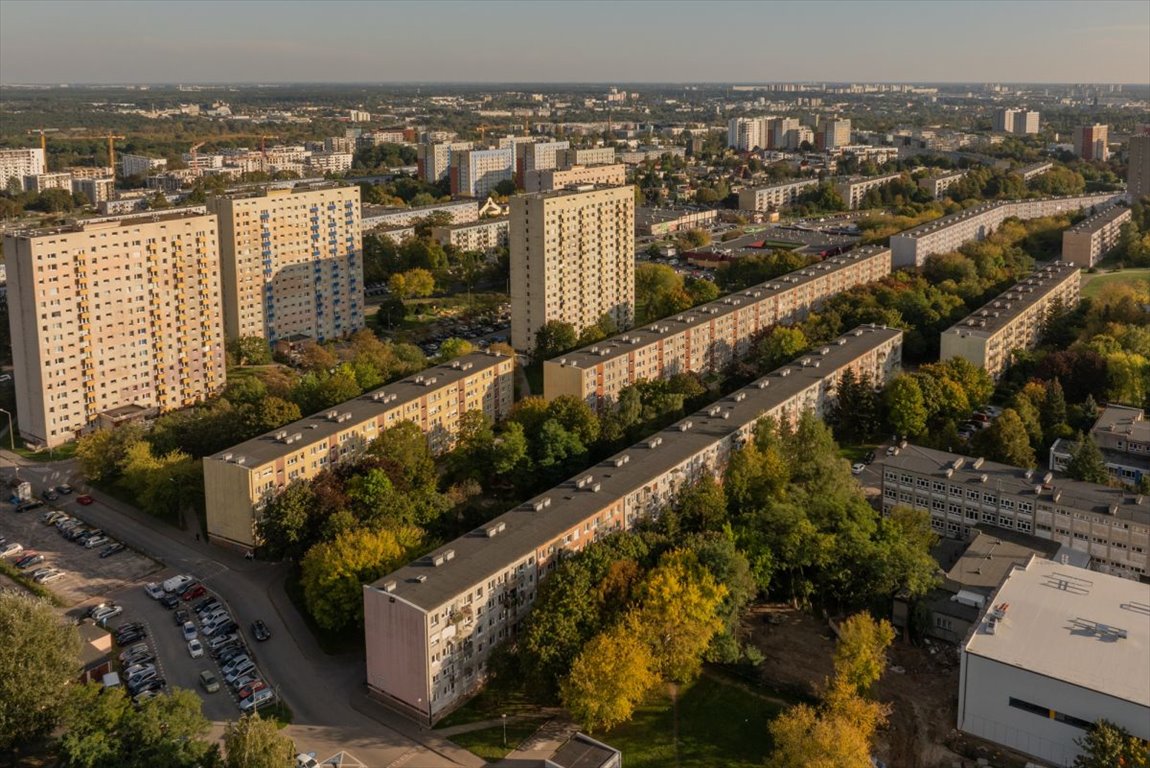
column 981, row 419
column 25, row 560
column 140, row 673
column 208, row 627
column 77, row 531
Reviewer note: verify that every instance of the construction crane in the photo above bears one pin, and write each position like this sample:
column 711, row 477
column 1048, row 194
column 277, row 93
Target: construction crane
column 111, row 137
column 43, row 136
column 482, row 128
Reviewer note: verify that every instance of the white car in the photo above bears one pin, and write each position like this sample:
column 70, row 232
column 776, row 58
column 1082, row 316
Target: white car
column 107, row 613
column 154, row 590
column 858, row 468
column 95, row 541
column 176, row 584
column 11, row 549
column 195, row 648
column 258, row 699
column 53, row 574
column 190, row 631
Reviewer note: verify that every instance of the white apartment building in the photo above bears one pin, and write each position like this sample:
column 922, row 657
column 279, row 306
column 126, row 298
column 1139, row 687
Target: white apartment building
column 431, row 626
column 46, row 181
column 18, row 163
column 572, row 259
column 1138, row 176
column 461, row 212
column 936, row 186
column 96, row 190
column 853, row 189
column 484, row 235
column 786, row 133
column 1016, row 121
column 476, row 172
column 140, row 165
column 329, row 162
column 1033, row 170
column 1056, row 649
column 775, row 196
column 833, row 133
column 1110, row 525
column 1090, row 240
column 292, row 262
column 586, row 156
column 990, row 336
column 1091, row 142
column 747, row 133
column 113, row 315
column 90, row 172
column 538, row 156
column 709, row 337
column 914, row 246
column 613, row 175
column 239, row 482
column 434, row 159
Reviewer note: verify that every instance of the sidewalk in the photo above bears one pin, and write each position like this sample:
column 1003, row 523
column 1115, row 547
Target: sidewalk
column 432, row 740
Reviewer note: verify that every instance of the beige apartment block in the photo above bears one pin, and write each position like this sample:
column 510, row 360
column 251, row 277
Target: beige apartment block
column 434, row 159
column 477, row 172
column 774, row 196
column 460, row 211
column 1088, row 241
column 709, row 337
column 1109, row 524
column 586, row 156
column 292, row 262
column 18, row 163
column 538, row 156
column 989, row 337
column 46, row 181
column 572, row 259
column 484, row 235
column 113, row 317
column 852, row 189
column 937, row 185
column 432, row 625
column 914, row 246
column 96, row 190
column 1033, row 170
column 560, row 178
column 239, row 482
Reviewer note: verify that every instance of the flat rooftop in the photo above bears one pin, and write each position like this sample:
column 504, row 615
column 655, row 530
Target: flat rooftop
column 478, row 556
column 993, row 552
column 1077, row 626
column 622, row 344
column 1124, row 420
column 1004, row 478
column 320, row 426
column 1098, row 220
column 489, row 221
column 647, row 215
column 387, row 210
column 997, row 313
column 115, row 220
column 582, row 752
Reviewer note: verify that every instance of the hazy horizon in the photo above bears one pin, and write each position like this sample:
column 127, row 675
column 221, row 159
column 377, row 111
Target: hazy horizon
column 110, row 42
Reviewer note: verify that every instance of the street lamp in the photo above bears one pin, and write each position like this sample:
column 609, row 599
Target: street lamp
column 504, row 730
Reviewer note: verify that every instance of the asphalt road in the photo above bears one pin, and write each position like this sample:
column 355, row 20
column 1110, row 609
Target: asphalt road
column 325, row 693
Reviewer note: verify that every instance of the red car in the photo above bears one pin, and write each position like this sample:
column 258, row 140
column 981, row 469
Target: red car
column 84, row 499
column 194, row 591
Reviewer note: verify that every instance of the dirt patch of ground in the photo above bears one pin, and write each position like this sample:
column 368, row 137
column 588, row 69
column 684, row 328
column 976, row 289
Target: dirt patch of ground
column 921, row 684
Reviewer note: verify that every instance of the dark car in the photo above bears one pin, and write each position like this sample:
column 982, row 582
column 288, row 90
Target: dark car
column 111, row 549
column 84, row 499
column 870, row 456
column 130, row 637
column 170, row 601
column 260, row 630
column 64, row 489
column 207, row 605
column 49, row 495
column 180, row 616
column 29, row 560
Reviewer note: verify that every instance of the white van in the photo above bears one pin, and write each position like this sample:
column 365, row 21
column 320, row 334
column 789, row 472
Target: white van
column 177, row 583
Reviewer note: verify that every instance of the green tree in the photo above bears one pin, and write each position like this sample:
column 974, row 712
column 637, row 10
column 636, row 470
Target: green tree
column 609, row 677
column 287, row 528
column 780, row 346
column 903, row 558
column 554, row 338
column 269, row 413
column 702, row 505
column 905, row 407
column 250, row 350
column 412, row 284
column 252, row 742
column 453, row 348
column 1107, row 745
column 406, row 446
column 679, row 614
column 1006, row 440
column 91, row 737
column 839, row 733
column 860, row 655
column 39, row 657
column 332, row 573
column 1087, row 462
column 505, row 188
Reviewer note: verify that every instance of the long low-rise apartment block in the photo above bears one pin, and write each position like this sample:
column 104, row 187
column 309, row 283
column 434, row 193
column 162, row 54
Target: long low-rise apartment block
column 913, row 247
column 1110, row 525
column 484, row 235
column 239, row 482
column 461, row 212
column 774, row 196
column 1088, row 241
column 708, row 337
column 431, row 625
column 1034, row 170
column 937, row 185
column 853, row 189
column 989, row 337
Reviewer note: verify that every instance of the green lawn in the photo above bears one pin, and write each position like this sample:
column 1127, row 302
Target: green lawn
column 488, row 742
column 1092, row 285
column 720, row 723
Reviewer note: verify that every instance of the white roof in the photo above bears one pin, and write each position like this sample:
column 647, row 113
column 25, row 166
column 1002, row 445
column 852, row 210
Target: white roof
column 1082, row 627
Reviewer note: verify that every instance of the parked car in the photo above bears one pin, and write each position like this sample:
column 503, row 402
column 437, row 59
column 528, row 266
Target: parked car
column 205, row 604
column 193, row 591
column 222, row 640
column 30, row 559
column 49, row 495
column 114, row 548
column 257, row 700
column 858, row 468
column 53, row 574
column 64, row 488
column 209, row 681
column 95, row 541
column 107, row 613
column 84, row 499
column 177, row 584
column 137, row 648
column 170, row 601
column 134, row 636
column 252, row 687
column 195, row 648
column 260, row 630
column 137, row 669
column 154, row 590
column 869, row 457
column 190, row 632
column 11, row 549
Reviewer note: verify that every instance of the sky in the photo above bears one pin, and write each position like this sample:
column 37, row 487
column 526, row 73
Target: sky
column 585, row 41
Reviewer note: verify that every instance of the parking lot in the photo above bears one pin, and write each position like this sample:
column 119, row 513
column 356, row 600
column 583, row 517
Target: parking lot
column 85, row 574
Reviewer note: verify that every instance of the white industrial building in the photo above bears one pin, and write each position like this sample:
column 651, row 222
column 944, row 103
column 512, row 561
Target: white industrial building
column 1058, row 648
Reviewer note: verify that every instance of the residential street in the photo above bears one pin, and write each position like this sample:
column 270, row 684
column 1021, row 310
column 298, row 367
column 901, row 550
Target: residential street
column 326, row 694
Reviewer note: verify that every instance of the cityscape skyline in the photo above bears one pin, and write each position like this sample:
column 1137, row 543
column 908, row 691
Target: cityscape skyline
column 869, row 42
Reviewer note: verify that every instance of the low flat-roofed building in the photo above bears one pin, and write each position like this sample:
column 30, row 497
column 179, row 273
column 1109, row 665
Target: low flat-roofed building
column 431, row 625
column 461, row 211
column 708, row 337
column 1014, row 320
column 665, row 221
column 1122, row 435
column 775, row 195
column 240, row 481
column 484, row 235
column 913, row 247
column 1090, row 240
column 1110, row 525
column 1034, row 170
column 582, row 751
column 1057, row 649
